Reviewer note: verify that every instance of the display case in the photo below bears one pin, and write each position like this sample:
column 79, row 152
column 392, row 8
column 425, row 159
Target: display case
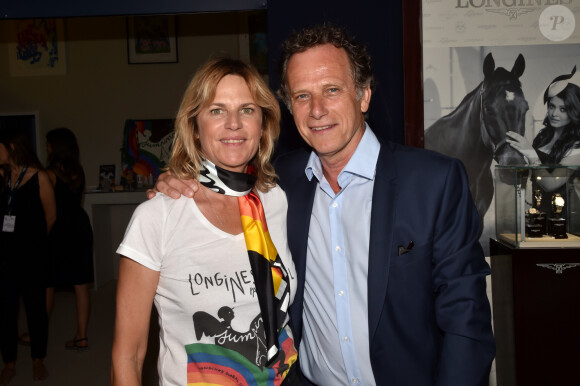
column 535, row 293
column 538, row 206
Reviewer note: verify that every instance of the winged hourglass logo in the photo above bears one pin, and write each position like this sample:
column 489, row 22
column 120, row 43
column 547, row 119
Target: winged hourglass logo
column 559, row 267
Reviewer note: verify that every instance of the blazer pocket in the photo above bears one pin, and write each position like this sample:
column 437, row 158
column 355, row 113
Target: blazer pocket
column 410, row 255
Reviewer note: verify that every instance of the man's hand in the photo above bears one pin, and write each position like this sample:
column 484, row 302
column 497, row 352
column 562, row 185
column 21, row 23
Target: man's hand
column 173, row 187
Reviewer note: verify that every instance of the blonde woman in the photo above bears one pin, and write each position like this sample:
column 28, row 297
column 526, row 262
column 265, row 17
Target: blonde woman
column 217, row 266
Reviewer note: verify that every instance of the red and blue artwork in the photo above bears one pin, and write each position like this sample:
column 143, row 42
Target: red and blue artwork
column 36, row 41
column 146, row 149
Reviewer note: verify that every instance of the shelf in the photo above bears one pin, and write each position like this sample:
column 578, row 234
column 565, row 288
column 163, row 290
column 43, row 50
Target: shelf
column 545, row 241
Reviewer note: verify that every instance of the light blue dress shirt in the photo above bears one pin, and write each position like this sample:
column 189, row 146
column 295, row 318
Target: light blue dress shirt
column 335, row 340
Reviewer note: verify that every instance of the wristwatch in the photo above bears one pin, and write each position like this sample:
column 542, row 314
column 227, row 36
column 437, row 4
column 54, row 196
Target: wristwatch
column 557, row 203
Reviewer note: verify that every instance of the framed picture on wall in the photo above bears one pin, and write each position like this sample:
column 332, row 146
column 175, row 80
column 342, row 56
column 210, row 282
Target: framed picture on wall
column 37, row 47
column 106, row 178
column 151, row 39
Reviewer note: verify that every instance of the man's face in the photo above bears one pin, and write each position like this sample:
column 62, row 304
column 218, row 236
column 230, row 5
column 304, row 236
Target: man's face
column 324, row 101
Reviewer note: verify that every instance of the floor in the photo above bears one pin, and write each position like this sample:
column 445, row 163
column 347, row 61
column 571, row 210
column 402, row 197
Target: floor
column 92, row 367
column 73, row 368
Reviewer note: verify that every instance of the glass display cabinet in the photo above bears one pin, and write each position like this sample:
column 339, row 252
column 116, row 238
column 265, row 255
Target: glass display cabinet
column 538, row 206
column 535, row 265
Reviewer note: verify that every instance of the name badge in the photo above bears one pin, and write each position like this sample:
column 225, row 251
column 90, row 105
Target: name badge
column 8, row 224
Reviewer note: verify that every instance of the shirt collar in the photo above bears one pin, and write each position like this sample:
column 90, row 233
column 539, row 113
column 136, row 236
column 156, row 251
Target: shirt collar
column 362, row 163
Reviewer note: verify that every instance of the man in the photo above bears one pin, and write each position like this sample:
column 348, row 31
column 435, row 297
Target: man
column 391, row 277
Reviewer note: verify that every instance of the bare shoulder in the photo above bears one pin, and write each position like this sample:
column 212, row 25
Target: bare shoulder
column 43, row 178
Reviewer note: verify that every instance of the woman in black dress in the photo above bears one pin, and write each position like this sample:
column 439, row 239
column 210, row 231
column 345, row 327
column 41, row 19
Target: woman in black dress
column 71, row 240
column 27, row 211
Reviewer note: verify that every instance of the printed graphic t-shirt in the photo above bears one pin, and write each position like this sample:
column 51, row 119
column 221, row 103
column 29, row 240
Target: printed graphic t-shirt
column 211, row 329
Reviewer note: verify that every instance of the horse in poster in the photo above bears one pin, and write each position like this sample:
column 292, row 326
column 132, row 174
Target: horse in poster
column 475, row 132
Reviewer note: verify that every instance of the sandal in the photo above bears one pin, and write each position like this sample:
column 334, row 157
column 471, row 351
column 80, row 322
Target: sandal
column 73, row 344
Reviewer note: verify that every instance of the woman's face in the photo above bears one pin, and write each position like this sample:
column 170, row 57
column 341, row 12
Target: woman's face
column 230, row 127
column 557, row 113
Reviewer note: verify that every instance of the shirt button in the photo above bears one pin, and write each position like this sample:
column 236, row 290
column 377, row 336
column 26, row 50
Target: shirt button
column 355, row 380
column 334, row 204
column 340, row 293
column 337, row 248
column 345, row 338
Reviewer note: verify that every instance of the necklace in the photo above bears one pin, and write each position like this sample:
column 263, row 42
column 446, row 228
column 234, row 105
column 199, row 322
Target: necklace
column 213, row 210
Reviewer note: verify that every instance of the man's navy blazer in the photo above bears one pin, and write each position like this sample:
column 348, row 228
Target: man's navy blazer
column 428, row 313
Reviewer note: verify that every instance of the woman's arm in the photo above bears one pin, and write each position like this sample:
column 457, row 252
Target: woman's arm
column 135, row 292
column 549, row 181
column 47, row 199
column 524, row 146
column 51, row 177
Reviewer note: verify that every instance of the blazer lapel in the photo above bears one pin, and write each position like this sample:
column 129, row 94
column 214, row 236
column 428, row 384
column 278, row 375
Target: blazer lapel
column 383, row 216
column 301, row 198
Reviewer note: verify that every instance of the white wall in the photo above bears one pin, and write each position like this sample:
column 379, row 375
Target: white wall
column 101, row 90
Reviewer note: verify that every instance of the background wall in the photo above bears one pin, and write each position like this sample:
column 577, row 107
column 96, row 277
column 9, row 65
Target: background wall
column 101, row 90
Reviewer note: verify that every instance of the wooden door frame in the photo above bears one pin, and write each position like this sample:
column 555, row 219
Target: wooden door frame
column 413, row 73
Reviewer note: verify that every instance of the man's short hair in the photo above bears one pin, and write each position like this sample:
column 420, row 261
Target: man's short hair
column 309, row 37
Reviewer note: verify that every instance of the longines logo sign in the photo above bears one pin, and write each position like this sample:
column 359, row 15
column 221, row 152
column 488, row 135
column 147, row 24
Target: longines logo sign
column 499, row 22
column 508, row 3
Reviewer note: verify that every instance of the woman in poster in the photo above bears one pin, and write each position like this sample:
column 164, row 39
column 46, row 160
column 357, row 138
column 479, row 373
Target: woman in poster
column 558, row 143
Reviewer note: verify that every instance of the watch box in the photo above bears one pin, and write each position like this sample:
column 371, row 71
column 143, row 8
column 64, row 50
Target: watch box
column 537, row 206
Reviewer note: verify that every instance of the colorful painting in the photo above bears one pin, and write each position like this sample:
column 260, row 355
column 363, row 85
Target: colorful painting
column 37, row 47
column 146, row 151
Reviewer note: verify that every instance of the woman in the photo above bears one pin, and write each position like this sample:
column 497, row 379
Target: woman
column 28, row 211
column 221, row 287
column 558, row 143
column 71, row 239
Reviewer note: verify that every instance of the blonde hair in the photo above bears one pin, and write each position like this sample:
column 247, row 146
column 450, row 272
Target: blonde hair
column 186, row 154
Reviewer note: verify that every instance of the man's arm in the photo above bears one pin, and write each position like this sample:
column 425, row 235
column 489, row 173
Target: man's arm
column 459, row 277
column 173, row 187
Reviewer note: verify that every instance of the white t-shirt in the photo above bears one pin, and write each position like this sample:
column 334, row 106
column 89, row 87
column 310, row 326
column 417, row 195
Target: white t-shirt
column 210, row 323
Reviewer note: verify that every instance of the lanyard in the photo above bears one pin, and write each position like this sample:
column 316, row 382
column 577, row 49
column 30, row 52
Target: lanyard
column 12, row 190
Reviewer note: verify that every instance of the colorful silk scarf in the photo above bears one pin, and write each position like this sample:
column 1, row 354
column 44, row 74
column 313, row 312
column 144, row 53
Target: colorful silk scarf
column 270, row 275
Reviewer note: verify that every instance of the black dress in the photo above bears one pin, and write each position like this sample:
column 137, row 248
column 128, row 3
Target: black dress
column 71, row 240
column 23, row 257
column 23, row 270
